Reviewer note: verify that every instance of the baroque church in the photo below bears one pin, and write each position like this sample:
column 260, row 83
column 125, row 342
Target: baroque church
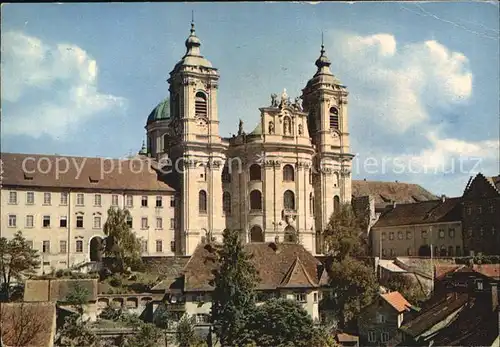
column 280, row 182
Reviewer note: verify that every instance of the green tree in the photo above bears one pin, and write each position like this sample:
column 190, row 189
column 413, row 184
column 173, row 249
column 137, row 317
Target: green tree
column 185, row 334
column 17, row 261
column 75, row 330
column 121, row 243
column 344, row 234
column 281, row 322
column 413, row 292
column 78, row 297
column 233, row 298
column 147, row 335
column 353, row 286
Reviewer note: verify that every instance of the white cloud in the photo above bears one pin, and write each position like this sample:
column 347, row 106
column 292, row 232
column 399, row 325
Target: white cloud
column 401, row 93
column 52, row 88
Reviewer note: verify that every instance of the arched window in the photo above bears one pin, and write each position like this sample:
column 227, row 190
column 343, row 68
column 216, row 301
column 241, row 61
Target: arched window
column 334, row 118
column 290, row 234
column 226, row 176
column 202, row 201
column 336, row 203
column 288, row 173
column 256, row 234
column 289, row 200
column 442, row 251
column 450, row 251
column 255, row 172
column 311, row 204
column 310, row 176
column 255, row 200
column 200, row 105
column 226, row 202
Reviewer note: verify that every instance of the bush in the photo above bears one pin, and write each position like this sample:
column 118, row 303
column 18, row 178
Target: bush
column 59, row 273
column 111, row 313
column 116, row 281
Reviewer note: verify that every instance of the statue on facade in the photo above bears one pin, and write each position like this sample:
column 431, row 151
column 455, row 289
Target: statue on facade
column 274, row 100
column 271, row 127
column 240, row 128
column 301, row 130
column 285, row 100
column 287, row 126
column 298, row 104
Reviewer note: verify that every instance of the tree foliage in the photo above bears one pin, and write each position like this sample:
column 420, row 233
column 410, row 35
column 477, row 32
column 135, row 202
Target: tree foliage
column 185, row 334
column 344, row 234
column 121, row 243
column 17, row 260
column 233, row 298
column 78, row 297
column 24, row 323
column 413, row 292
column 76, row 332
column 353, row 285
column 147, row 335
column 283, row 323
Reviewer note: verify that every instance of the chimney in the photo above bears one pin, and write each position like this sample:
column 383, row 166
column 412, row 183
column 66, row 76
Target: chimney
column 443, row 198
column 494, row 296
column 276, row 239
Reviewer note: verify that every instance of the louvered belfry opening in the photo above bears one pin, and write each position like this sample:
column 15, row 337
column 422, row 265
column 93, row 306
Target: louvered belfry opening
column 334, row 118
column 200, row 105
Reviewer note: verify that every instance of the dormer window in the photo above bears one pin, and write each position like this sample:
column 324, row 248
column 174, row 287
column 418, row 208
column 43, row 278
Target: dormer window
column 200, row 105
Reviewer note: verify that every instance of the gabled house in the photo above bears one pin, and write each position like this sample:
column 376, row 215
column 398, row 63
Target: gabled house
column 477, row 279
column 480, row 215
column 457, row 319
column 379, row 322
column 285, row 270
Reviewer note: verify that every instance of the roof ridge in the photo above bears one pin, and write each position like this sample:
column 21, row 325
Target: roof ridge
column 289, row 274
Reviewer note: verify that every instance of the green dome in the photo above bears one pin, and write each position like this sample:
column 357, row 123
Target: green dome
column 160, row 112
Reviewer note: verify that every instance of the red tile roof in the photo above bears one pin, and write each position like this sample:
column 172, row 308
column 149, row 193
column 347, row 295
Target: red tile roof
column 489, row 270
column 422, row 213
column 297, row 276
column 443, row 269
column 289, row 264
column 396, row 300
column 40, row 171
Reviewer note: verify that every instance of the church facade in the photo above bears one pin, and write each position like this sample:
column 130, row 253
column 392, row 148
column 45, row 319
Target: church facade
column 282, row 181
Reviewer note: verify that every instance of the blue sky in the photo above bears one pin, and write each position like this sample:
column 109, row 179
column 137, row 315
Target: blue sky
column 81, row 79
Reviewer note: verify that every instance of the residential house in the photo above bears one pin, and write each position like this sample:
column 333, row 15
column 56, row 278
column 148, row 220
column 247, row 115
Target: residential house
column 411, row 229
column 285, row 270
column 457, row 319
column 371, row 198
column 379, row 322
column 466, row 279
column 481, row 215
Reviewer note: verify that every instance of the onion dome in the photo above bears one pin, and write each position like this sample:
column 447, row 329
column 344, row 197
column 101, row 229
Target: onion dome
column 193, row 56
